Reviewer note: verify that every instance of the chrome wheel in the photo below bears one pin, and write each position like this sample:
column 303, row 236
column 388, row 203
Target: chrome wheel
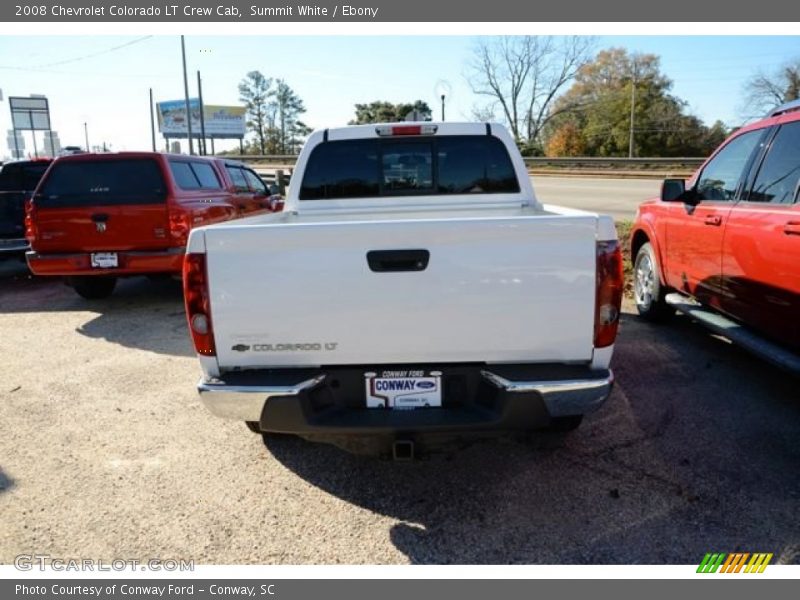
column 643, row 285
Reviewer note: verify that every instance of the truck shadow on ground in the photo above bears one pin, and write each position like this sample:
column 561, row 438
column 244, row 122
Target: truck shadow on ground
column 142, row 313
column 695, row 440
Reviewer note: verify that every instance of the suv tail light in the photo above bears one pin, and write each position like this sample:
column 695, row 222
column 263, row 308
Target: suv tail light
column 198, row 304
column 179, row 226
column 30, row 223
column 608, row 297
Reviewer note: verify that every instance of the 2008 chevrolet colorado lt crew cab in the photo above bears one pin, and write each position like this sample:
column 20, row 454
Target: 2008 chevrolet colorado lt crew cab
column 414, row 285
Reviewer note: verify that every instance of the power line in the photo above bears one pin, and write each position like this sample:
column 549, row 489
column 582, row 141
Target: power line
column 79, row 58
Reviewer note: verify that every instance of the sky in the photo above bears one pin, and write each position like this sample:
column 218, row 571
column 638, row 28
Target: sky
column 103, row 81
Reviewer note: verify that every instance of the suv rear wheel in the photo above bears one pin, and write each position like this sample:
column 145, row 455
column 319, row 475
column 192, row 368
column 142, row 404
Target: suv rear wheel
column 93, row 288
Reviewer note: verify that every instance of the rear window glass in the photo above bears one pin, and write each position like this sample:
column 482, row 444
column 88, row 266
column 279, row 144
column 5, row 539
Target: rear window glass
column 102, row 182
column 31, row 176
column 194, row 175
column 407, row 167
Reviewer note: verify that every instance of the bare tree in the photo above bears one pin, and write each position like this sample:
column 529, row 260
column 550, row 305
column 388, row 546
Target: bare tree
column 765, row 91
column 524, row 74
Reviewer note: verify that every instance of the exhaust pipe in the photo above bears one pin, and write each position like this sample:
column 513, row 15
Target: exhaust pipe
column 403, row 450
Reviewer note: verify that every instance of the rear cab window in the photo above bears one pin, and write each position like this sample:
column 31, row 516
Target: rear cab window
column 470, row 164
column 193, row 175
column 102, row 182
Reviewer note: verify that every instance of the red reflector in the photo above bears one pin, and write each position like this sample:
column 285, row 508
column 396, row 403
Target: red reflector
column 197, row 302
column 608, row 298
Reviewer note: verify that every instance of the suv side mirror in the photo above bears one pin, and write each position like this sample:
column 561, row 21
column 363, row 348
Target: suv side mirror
column 673, row 190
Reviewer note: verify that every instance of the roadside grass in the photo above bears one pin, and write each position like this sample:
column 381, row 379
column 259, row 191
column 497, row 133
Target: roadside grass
column 624, row 234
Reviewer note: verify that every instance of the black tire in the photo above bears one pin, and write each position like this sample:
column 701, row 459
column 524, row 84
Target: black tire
column 565, row 424
column 93, row 288
column 253, row 426
column 648, row 293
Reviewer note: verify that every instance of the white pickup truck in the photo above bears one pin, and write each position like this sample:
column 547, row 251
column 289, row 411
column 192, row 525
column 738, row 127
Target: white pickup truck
column 413, row 288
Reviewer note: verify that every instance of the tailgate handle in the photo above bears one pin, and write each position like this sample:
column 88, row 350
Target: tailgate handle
column 395, row 261
column 100, row 218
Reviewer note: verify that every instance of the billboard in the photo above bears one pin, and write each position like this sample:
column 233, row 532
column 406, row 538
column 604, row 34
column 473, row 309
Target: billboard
column 30, row 113
column 220, row 121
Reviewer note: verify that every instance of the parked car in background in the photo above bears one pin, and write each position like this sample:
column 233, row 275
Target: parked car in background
column 422, row 291
column 729, row 238
column 18, row 179
column 97, row 217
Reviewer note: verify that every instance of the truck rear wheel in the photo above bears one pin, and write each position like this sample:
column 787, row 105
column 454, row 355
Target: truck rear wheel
column 648, row 292
column 253, row 426
column 93, row 288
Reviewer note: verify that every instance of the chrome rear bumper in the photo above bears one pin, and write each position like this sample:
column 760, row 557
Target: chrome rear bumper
column 562, row 398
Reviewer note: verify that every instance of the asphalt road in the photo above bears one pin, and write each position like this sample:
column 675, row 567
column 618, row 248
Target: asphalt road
column 617, row 197
column 107, row 453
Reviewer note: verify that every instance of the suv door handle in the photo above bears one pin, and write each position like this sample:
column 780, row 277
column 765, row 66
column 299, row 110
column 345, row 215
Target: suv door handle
column 714, row 220
column 792, row 228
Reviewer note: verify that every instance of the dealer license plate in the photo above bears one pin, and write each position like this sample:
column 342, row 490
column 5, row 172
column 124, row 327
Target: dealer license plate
column 104, row 260
column 404, row 389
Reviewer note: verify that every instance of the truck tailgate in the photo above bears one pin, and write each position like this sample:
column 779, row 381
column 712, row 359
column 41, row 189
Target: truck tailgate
column 496, row 289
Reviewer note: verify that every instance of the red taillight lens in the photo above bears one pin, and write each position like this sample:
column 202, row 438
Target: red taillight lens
column 198, row 304
column 179, row 226
column 30, row 224
column 608, row 298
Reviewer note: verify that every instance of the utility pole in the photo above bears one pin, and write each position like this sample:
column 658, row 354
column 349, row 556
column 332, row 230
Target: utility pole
column 86, row 135
column 201, row 149
column 633, row 105
column 442, row 107
column 186, row 94
column 152, row 122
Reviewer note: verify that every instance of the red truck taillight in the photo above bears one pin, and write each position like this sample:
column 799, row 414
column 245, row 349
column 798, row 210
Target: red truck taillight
column 198, row 304
column 179, row 226
column 608, row 297
column 30, row 224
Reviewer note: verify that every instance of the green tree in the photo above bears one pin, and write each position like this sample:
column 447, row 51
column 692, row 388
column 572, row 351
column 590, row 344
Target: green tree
column 288, row 108
column 381, row 111
column 598, row 106
column 255, row 92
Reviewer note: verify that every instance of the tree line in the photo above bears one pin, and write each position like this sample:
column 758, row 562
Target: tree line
column 557, row 96
column 560, row 98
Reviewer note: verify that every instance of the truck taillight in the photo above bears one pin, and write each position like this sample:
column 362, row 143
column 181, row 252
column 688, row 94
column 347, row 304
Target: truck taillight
column 608, row 298
column 179, row 226
column 30, row 224
column 198, row 304
column 390, row 130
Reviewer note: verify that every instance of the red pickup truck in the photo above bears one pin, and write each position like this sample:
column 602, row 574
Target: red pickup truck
column 727, row 241
column 96, row 217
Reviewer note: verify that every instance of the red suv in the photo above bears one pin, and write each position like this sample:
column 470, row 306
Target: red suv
column 729, row 238
column 96, row 217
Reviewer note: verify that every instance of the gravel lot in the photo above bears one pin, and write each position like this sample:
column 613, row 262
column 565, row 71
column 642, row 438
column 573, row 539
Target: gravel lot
column 106, row 453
